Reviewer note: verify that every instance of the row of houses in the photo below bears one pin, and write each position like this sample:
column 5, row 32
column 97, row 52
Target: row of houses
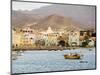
column 29, row 38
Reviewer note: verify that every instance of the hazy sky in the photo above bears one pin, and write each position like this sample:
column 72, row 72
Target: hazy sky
column 27, row 5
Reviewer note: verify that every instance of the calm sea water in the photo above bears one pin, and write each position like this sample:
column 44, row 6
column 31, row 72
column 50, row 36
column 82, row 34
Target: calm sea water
column 41, row 61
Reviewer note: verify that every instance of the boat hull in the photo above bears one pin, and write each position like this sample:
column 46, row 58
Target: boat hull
column 72, row 57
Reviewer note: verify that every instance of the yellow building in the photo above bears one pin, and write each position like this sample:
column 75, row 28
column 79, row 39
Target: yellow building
column 28, row 38
column 23, row 38
column 16, row 39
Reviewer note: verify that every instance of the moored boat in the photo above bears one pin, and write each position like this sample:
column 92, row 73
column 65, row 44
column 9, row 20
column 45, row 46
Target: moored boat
column 72, row 56
column 14, row 55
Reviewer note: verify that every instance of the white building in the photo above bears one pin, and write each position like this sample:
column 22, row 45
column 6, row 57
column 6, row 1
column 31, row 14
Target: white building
column 91, row 43
column 73, row 38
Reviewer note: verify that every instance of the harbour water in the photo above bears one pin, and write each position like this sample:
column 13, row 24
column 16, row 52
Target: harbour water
column 42, row 61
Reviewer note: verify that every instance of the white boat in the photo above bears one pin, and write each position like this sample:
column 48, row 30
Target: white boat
column 20, row 53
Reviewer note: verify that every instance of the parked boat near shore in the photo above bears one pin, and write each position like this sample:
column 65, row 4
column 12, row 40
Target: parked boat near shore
column 14, row 55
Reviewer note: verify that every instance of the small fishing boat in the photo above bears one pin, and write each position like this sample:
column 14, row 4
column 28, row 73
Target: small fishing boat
column 72, row 56
column 20, row 53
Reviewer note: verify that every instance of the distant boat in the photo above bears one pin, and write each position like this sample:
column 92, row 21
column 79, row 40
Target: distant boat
column 14, row 55
column 72, row 56
column 20, row 53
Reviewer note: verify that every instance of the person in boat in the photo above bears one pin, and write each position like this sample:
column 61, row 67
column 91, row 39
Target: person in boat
column 72, row 54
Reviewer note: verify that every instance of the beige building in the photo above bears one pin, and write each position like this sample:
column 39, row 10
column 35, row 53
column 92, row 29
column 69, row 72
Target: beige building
column 28, row 37
column 16, row 38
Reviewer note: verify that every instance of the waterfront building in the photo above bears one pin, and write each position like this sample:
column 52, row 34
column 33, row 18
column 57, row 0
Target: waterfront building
column 50, row 37
column 88, row 38
column 28, row 37
column 91, row 43
column 73, row 38
column 16, row 38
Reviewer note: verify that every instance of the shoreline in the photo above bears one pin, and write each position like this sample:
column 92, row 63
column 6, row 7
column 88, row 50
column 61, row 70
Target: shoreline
column 51, row 49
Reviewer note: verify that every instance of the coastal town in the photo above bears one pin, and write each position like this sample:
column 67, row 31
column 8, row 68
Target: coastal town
column 52, row 37
column 43, row 47
column 27, row 38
